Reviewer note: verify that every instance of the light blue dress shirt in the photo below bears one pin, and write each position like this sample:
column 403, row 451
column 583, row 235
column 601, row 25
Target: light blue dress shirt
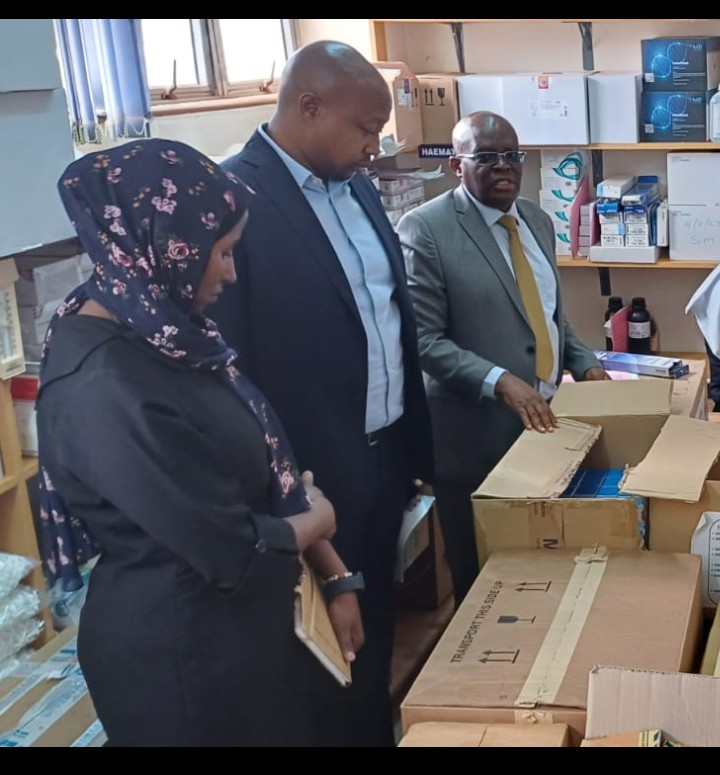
column 368, row 271
column 546, row 282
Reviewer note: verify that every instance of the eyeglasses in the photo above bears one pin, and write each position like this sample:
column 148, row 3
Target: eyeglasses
column 488, row 158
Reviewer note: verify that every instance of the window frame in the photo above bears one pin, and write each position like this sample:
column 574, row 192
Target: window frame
column 207, row 37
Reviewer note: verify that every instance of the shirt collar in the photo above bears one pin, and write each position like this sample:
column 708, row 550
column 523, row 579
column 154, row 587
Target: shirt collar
column 302, row 175
column 490, row 215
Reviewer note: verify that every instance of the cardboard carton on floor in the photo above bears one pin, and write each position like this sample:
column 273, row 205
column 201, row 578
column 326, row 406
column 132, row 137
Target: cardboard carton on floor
column 649, row 738
column 711, row 656
column 449, row 735
column 686, row 707
column 603, row 425
column 46, row 705
column 523, row 642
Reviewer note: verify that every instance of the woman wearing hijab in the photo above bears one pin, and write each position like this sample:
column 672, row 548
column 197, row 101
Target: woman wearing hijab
column 160, row 457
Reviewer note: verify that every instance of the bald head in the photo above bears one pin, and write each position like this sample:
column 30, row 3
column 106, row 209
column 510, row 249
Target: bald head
column 480, row 142
column 332, row 106
column 477, row 127
column 329, row 69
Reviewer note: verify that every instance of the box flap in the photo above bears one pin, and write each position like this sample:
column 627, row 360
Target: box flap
column 8, row 272
column 685, row 706
column 613, row 398
column 540, row 465
column 678, row 462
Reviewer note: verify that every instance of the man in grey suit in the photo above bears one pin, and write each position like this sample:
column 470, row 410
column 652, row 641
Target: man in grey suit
column 492, row 336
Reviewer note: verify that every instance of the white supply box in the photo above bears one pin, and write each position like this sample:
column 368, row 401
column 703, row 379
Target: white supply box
column 614, row 107
column 544, row 108
column 615, row 186
column 694, row 233
column 43, row 280
column 693, row 178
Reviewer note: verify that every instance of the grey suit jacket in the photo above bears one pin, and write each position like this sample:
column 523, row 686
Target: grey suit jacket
column 470, row 318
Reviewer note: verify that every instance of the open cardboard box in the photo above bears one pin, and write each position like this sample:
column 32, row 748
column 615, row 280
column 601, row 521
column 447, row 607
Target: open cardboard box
column 668, row 460
column 603, row 425
column 686, row 707
column 522, row 644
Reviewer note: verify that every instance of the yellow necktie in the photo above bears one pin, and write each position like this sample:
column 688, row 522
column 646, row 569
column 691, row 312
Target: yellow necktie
column 525, row 278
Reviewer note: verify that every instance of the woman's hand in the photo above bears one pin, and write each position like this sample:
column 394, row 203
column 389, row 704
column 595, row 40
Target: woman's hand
column 344, row 611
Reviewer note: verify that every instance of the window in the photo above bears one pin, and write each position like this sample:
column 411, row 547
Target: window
column 188, row 59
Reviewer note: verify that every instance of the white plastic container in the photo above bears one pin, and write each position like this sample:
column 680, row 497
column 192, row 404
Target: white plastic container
column 714, row 117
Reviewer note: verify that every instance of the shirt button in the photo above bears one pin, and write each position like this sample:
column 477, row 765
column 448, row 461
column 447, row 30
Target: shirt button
column 261, row 546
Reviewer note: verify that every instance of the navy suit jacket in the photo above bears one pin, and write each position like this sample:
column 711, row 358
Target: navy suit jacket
column 294, row 322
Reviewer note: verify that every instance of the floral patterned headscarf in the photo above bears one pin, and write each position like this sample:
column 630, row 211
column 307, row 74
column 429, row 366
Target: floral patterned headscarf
column 148, row 214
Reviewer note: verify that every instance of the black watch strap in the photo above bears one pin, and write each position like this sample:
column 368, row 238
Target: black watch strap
column 338, row 586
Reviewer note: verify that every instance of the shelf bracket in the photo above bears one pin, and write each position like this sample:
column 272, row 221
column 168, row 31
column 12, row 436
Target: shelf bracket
column 588, row 54
column 457, row 29
column 605, row 284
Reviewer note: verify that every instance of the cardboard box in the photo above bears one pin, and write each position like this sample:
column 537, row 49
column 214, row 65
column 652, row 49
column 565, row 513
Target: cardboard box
column 689, row 392
column 405, row 122
column 681, row 63
column 439, row 105
column 649, row 738
column 680, row 478
column 710, row 663
column 49, row 707
column 614, row 107
column 523, row 642
column 448, row 735
column 12, row 358
column 694, row 232
column 604, row 425
column 685, row 707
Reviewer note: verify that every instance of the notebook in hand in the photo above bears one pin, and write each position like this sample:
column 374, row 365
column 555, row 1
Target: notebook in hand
column 313, row 627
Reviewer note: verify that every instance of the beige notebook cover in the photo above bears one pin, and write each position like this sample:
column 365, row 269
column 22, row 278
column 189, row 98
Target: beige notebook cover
column 313, row 627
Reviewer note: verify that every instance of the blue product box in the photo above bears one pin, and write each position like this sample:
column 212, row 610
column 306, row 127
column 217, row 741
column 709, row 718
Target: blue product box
column 669, row 116
column 681, row 63
column 605, row 484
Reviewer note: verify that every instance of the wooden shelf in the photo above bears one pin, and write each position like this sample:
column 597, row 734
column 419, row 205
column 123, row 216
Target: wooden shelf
column 30, row 466
column 563, row 262
column 7, row 483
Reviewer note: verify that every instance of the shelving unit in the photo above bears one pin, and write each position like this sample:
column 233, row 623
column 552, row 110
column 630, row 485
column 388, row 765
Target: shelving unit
column 555, row 47
column 17, row 528
column 564, row 262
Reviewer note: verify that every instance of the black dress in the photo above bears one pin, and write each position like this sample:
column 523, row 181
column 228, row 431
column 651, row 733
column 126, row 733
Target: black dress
column 186, row 637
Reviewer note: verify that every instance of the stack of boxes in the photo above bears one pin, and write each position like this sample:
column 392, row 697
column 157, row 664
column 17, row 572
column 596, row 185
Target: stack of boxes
column 42, row 285
column 632, row 215
column 399, row 193
column 562, row 174
column 680, row 75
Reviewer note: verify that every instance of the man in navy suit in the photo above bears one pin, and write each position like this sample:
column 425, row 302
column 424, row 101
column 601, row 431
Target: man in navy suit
column 322, row 320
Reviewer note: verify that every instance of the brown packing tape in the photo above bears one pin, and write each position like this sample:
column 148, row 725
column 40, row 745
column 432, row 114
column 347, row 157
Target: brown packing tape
column 552, row 661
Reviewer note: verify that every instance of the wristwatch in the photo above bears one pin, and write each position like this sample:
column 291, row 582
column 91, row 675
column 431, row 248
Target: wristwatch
column 341, row 583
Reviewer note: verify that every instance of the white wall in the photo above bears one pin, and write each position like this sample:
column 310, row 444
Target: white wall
column 355, row 32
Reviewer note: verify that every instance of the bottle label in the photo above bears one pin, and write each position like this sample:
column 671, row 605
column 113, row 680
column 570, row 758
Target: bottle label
column 639, row 330
column 608, row 330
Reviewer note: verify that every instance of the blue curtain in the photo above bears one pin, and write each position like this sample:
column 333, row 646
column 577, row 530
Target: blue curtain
column 104, row 73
